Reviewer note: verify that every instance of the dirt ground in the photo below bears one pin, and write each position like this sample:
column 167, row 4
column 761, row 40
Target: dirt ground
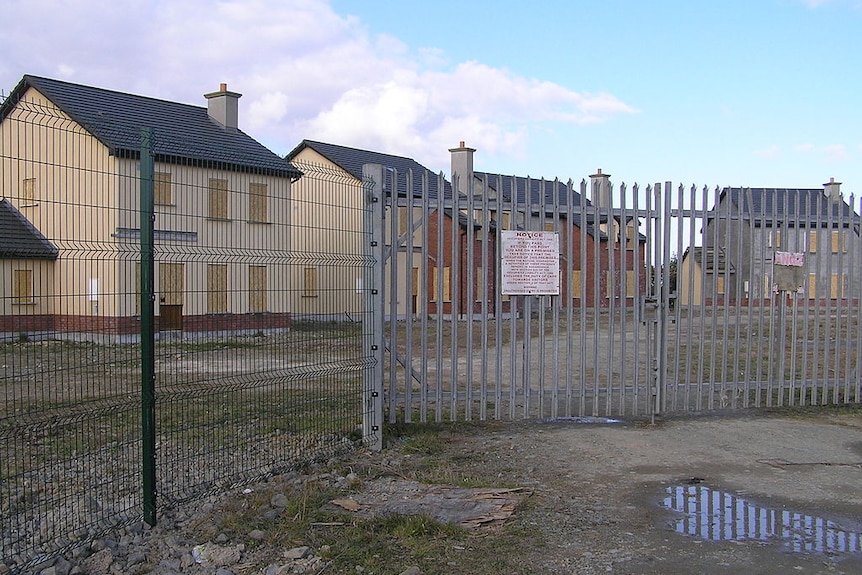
column 598, row 491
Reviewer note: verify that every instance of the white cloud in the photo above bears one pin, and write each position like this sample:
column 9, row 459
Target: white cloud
column 304, row 72
column 769, row 153
column 803, row 148
column 837, row 151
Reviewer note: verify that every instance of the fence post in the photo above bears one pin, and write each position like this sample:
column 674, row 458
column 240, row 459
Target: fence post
column 148, row 297
column 373, row 334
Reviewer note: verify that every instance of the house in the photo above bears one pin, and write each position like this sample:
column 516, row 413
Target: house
column 24, row 254
column 758, row 242
column 71, row 168
column 333, row 178
column 602, row 258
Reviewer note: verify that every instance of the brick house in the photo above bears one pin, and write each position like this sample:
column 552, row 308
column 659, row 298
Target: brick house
column 602, row 258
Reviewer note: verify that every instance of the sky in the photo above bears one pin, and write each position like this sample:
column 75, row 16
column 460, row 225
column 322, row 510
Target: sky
column 706, row 93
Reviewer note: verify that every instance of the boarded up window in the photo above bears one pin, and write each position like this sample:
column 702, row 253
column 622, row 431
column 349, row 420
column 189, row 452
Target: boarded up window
column 812, row 242
column 481, row 293
column 774, row 238
column 447, row 288
column 309, row 282
column 171, row 283
column 549, row 226
column 837, row 284
column 631, row 284
column 415, row 287
column 812, row 286
column 402, row 221
column 838, row 243
column 28, row 191
column 216, row 288
column 257, row 288
column 577, row 283
column 257, row 202
column 22, row 286
column 162, row 188
column 217, row 202
column 767, row 288
column 719, row 285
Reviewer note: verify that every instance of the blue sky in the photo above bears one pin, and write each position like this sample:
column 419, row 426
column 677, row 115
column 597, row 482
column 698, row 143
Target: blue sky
column 733, row 92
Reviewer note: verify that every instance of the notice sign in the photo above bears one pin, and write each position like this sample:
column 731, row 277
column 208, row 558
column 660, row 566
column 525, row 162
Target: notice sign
column 789, row 271
column 530, row 263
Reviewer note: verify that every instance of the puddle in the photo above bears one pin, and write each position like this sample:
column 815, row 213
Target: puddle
column 586, row 419
column 720, row 516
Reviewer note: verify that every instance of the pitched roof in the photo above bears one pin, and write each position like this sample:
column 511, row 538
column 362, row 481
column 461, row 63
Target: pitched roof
column 710, row 259
column 19, row 239
column 800, row 206
column 550, row 192
column 182, row 133
column 514, row 188
column 351, row 160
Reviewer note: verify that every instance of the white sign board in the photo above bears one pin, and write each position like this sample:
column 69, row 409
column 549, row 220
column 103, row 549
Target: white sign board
column 530, row 263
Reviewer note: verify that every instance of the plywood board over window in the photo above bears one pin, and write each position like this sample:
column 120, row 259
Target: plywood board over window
column 216, row 288
column 838, row 242
column 217, row 199
column 22, row 286
column 257, row 289
column 28, row 191
column 162, row 189
column 309, row 282
column 447, row 288
column 257, row 202
column 171, row 283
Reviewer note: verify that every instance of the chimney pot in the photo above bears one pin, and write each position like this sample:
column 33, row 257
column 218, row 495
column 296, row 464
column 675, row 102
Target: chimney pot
column 222, row 87
column 462, row 144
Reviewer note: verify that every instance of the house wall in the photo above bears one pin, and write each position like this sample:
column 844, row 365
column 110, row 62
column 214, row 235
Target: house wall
column 86, row 202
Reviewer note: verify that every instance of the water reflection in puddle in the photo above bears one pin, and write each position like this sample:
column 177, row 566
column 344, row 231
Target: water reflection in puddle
column 719, row 516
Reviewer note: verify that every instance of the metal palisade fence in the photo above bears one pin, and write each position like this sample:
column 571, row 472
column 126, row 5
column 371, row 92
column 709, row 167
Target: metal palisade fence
column 173, row 323
column 659, row 299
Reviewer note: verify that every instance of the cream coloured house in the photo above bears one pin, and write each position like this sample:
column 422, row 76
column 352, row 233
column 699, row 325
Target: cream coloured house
column 71, row 167
column 327, row 212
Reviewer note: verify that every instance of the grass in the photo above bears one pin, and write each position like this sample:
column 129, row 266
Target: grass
column 386, row 544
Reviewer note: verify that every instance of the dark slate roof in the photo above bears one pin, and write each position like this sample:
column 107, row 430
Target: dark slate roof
column 352, row 159
column 799, row 206
column 182, row 133
column 553, row 192
column 19, row 239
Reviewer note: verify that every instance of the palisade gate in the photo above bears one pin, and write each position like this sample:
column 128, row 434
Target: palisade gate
column 665, row 298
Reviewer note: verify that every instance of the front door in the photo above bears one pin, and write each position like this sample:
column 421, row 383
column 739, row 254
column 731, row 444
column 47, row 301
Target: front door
column 171, row 295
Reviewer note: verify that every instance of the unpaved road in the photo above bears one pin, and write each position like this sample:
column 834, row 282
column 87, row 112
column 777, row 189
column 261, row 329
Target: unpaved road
column 598, row 492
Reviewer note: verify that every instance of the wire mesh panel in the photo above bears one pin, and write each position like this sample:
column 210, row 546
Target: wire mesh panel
column 70, row 438
column 256, row 356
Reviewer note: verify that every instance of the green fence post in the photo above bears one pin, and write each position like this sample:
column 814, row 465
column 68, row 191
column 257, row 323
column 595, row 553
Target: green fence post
column 148, row 344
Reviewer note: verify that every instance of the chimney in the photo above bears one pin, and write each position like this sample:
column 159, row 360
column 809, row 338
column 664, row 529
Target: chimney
column 832, row 190
column 462, row 167
column 223, row 107
column 600, row 189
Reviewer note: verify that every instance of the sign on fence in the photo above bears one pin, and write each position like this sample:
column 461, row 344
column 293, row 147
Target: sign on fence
column 789, row 271
column 530, row 263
